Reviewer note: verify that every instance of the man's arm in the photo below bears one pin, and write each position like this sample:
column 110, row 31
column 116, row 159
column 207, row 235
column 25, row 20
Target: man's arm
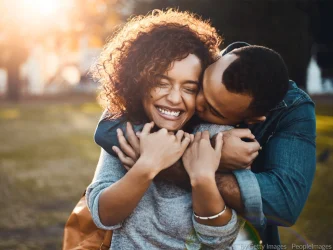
column 278, row 194
column 106, row 132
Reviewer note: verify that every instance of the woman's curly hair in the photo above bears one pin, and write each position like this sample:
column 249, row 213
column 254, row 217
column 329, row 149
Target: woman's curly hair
column 145, row 47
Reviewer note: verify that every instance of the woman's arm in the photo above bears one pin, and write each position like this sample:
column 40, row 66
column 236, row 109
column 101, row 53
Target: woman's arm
column 158, row 151
column 123, row 196
column 114, row 194
column 201, row 161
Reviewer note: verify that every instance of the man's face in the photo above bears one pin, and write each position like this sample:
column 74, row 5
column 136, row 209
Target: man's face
column 215, row 103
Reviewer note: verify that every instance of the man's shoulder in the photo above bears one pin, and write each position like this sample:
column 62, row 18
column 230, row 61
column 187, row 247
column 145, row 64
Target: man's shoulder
column 296, row 106
column 295, row 96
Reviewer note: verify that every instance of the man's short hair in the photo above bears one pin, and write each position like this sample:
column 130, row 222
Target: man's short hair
column 259, row 72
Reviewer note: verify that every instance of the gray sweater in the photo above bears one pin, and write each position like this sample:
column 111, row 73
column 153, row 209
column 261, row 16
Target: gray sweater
column 163, row 218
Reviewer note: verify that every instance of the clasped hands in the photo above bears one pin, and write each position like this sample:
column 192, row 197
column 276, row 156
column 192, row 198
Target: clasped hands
column 162, row 149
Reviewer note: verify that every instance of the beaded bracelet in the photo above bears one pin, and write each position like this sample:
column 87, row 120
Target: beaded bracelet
column 210, row 217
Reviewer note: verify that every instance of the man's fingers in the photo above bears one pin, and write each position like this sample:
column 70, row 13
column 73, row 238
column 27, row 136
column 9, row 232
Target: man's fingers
column 123, row 158
column 125, row 147
column 219, row 143
column 254, row 156
column 242, row 133
column 133, row 139
column 254, row 146
column 146, row 129
column 179, row 135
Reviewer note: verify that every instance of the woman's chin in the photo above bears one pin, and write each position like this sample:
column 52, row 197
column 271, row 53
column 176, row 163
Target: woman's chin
column 169, row 127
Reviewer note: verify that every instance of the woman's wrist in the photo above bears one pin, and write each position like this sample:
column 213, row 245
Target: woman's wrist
column 202, row 178
column 146, row 167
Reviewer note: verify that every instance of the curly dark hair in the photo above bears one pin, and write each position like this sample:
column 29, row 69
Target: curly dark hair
column 145, row 47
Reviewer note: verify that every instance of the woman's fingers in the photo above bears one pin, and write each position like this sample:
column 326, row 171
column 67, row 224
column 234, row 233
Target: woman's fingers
column 205, row 135
column 192, row 137
column 197, row 137
column 146, row 129
column 186, row 141
column 125, row 147
column 125, row 160
column 179, row 135
column 219, row 143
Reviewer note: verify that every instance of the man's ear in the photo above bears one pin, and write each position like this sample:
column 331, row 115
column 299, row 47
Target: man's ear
column 256, row 119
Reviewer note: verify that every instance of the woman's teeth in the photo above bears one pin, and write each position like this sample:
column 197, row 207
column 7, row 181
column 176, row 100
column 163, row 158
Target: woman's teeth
column 173, row 113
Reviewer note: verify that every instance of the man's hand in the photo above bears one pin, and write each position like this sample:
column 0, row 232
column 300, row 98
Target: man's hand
column 236, row 153
column 130, row 150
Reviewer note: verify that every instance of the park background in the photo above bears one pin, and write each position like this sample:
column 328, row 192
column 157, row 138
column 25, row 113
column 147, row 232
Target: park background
column 48, row 108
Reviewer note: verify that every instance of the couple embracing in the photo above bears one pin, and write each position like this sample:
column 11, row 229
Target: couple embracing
column 199, row 147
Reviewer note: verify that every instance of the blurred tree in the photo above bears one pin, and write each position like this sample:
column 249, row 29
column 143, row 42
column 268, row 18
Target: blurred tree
column 283, row 25
column 13, row 54
column 26, row 23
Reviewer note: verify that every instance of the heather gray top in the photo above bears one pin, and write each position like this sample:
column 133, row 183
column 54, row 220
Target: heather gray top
column 163, row 218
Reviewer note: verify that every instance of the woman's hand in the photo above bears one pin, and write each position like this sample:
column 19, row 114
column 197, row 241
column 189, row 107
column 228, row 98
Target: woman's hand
column 200, row 158
column 162, row 149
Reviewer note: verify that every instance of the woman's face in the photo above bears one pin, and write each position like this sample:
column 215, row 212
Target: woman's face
column 172, row 102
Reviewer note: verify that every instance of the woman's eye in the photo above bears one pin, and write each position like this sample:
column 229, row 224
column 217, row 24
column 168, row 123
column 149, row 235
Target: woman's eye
column 191, row 90
column 162, row 84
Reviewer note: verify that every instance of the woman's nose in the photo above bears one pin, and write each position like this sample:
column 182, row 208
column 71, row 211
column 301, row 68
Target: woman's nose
column 200, row 102
column 174, row 96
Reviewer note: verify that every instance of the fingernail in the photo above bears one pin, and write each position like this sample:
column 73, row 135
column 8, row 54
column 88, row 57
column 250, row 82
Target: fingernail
column 114, row 149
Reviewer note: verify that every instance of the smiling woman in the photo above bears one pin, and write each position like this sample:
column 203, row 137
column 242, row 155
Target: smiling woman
column 150, row 72
column 157, row 60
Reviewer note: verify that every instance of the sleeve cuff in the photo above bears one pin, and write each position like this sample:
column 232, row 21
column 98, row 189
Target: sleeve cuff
column 251, row 197
column 94, row 206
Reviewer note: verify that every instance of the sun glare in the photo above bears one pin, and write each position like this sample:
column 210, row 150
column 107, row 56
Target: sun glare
column 41, row 7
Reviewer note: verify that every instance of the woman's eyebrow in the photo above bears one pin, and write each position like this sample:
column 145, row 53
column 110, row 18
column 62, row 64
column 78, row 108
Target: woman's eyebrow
column 171, row 79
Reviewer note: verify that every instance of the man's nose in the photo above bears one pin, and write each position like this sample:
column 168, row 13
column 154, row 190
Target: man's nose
column 174, row 96
column 200, row 102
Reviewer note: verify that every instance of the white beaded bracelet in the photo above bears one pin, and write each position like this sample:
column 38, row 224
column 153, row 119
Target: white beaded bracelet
column 210, row 217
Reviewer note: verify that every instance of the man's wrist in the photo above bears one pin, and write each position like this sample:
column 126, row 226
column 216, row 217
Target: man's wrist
column 230, row 191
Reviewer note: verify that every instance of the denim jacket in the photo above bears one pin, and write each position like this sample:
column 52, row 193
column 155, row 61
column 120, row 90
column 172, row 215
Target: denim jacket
column 275, row 190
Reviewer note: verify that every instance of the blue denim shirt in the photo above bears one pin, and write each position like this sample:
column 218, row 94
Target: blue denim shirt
column 275, row 190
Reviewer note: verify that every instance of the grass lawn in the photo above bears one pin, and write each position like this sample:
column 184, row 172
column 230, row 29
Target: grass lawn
column 48, row 157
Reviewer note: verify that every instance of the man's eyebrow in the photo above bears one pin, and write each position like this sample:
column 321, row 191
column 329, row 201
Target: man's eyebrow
column 171, row 79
